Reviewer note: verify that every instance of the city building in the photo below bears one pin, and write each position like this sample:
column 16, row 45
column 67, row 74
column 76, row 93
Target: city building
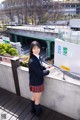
column 71, row 7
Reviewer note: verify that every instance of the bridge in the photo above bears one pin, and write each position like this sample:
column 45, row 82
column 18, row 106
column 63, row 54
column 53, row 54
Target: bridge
column 35, row 32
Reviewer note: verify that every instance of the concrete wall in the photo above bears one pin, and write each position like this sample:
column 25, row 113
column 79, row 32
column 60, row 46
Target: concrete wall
column 6, row 77
column 59, row 95
column 23, row 77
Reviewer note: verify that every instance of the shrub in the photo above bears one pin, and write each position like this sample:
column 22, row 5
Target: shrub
column 13, row 52
column 7, row 49
column 2, row 52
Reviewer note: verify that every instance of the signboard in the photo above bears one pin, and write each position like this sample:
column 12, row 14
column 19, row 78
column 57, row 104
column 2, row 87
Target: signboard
column 67, row 56
column 6, row 39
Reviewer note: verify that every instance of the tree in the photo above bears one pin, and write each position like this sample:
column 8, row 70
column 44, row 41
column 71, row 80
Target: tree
column 36, row 11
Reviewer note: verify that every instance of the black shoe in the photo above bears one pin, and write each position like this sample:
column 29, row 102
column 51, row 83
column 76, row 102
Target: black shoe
column 38, row 110
column 33, row 107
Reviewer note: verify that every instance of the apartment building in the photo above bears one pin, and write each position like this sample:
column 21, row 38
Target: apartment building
column 71, row 7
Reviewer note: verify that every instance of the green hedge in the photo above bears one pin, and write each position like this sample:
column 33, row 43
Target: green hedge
column 8, row 49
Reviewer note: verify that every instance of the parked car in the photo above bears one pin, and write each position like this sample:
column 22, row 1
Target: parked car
column 49, row 27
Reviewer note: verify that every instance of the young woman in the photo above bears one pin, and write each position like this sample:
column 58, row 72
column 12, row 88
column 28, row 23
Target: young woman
column 36, row 76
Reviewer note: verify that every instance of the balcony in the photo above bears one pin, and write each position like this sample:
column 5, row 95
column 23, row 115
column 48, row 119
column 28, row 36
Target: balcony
column 13, row 107
column 61, row 98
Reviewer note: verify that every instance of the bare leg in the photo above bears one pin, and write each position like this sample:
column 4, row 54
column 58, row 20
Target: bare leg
column 33, row 97
column 37, row 97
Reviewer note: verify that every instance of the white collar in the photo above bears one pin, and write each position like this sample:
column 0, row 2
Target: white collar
column 37, row 56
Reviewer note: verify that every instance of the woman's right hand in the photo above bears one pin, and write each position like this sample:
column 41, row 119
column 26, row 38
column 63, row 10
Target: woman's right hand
column 46, row 72
column 48, row 67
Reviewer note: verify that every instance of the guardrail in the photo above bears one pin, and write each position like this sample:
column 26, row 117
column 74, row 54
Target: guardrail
column 71, row 36
column 33, row 29
column 66, row 72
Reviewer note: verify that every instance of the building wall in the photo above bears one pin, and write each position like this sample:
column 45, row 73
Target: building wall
column 70, row 11
column 72, row 7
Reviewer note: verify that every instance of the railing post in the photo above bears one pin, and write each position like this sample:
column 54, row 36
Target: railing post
column 48, row 49
column 15, row 37
column 15, row 64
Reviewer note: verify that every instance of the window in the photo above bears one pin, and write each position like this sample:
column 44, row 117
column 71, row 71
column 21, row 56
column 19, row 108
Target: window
column 78, row 6
column 73, row 6
column 67, row 6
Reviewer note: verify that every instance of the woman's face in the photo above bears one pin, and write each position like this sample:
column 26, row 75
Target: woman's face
column 36, row 50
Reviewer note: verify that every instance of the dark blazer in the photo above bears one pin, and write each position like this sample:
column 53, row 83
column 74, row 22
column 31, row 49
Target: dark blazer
column 36, row 72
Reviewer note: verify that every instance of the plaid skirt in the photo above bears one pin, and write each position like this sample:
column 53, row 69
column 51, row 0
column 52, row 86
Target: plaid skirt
column 36, row 88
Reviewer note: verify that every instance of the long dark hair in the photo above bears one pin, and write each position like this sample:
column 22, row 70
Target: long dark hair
column 34, row 43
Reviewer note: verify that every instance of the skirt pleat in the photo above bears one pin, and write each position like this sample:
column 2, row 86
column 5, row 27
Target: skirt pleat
column 36, row 88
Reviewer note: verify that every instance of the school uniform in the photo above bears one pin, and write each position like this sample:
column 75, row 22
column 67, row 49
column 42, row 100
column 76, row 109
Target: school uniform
column 36, row 74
